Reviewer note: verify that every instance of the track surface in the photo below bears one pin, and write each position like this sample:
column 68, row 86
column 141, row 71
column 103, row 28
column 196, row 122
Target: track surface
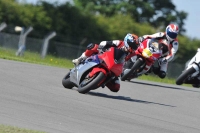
column 32, row 96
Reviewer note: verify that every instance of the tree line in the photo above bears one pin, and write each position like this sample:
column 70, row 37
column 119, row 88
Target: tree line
column 97, row 20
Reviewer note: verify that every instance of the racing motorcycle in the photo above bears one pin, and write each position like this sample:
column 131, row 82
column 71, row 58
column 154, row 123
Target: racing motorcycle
column 150, row 50
column 96, row 71
column 191, row 74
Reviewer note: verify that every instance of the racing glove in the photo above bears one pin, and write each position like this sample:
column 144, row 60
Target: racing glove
column 102, row 45
column 140, row 39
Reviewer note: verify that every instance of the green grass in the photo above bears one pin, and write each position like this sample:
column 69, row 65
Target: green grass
column 11, row 129
column 157, row 79
column 35, row 58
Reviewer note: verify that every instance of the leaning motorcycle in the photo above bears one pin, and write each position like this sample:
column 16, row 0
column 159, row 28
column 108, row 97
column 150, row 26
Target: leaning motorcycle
column 191, row 74
column 96, row 71
column 150, row 50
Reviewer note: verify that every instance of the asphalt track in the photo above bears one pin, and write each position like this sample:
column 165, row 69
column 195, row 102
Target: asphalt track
column 32, row 96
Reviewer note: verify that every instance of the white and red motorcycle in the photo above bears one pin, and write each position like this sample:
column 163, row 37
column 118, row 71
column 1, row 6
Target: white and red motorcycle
column 150, row 50
column 191, row 74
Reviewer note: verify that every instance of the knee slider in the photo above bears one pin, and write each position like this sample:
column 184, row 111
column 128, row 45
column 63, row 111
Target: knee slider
column 162, row 74
column 90, row 46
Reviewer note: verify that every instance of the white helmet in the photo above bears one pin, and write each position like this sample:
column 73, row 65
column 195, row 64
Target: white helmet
column 171, row 32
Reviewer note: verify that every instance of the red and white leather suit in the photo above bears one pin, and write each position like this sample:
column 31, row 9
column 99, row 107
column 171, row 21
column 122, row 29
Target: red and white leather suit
column 172, row 48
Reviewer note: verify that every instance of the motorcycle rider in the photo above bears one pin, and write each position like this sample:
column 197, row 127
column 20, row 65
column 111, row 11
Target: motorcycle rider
column 128, row 45
column 169, row 38
column 194, row 81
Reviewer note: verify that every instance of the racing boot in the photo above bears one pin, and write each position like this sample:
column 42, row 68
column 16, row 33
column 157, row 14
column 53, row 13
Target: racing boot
column 162, row 74
column 79, row 59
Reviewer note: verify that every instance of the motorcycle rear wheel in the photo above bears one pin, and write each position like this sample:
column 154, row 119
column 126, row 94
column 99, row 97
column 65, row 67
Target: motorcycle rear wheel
column 184, row 75
column 135, row 66
column 92, row 84
column 66, row 81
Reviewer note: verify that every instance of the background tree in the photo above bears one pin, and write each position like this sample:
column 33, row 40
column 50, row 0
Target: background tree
column 25, row 15
column 155, row 12
column 72, row 25
column 97, row 20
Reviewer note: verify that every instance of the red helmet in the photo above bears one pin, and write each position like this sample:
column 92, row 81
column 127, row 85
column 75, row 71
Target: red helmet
column 172, row 32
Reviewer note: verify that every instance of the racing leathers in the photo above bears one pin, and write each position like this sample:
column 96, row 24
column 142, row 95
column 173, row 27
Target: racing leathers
column 168, row 53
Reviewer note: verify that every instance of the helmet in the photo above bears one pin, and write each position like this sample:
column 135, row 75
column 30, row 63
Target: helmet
column 172, row 32
column 130, row 40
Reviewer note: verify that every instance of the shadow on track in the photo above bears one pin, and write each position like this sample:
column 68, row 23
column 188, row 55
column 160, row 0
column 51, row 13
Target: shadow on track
column 125, row 98
column 163, row 86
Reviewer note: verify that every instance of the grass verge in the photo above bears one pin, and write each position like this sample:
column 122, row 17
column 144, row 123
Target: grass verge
column 11, row 129
column 35, row 58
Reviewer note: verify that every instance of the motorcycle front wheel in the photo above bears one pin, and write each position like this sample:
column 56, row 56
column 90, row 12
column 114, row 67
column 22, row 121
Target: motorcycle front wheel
column 135, row 66
column 91, row 83
column 184, row 75
column 66, row 81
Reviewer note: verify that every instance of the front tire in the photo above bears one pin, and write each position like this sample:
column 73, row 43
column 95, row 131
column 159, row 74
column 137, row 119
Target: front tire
column 184, row 75
column 136, row 65
column 92, row 84
column 66, row 81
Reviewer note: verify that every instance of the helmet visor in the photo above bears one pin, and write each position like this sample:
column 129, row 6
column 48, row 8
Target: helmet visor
column 126, row 44
column 172, row 35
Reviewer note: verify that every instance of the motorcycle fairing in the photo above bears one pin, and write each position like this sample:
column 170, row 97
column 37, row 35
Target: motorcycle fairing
column 116, row 65
column 96, row 70
column 153, row 45
column 78, row 71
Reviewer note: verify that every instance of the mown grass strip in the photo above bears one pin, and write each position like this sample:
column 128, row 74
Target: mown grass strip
column 12, row 129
